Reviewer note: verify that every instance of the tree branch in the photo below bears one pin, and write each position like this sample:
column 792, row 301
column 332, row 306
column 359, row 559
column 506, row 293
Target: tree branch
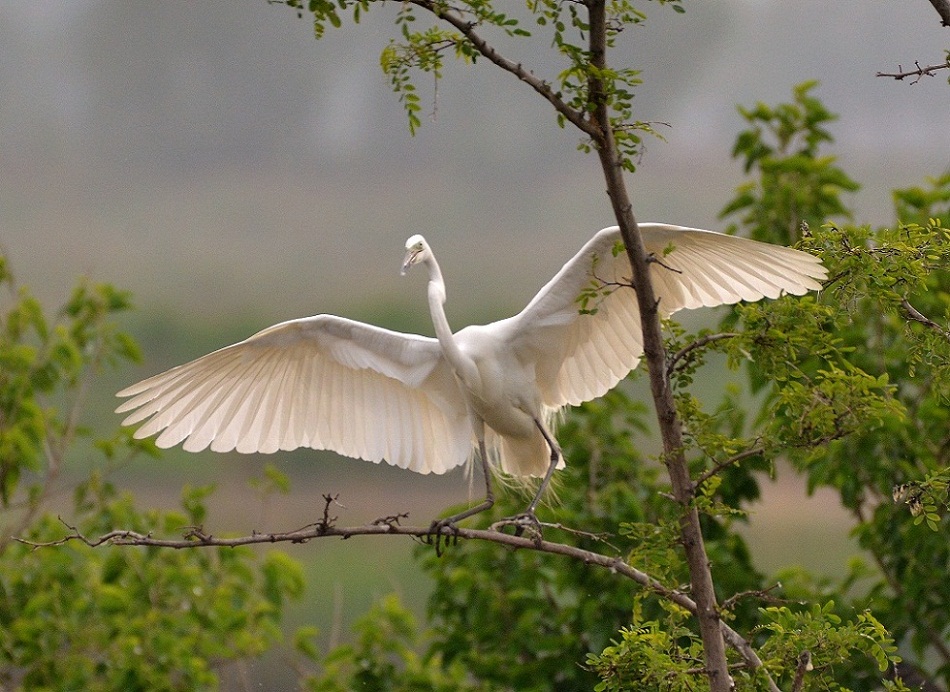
column 196, row 537
column 698, row 343
column 914, row 314
column 919, row 73
column 734, row 459
column 803, row 666
column 654, row 351
column 467, row 29
column 943, row 9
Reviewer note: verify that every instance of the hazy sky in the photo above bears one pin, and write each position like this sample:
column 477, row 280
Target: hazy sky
column 214, row 157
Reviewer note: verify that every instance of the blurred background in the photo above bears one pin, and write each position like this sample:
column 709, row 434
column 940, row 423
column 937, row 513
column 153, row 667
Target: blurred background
column 232, row 172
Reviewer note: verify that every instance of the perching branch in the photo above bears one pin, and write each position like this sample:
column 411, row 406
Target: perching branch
column 196, row 537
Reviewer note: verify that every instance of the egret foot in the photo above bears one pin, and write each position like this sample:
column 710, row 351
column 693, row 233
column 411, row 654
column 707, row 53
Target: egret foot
column 442, row 528
column 438, row 527
column 526, row 522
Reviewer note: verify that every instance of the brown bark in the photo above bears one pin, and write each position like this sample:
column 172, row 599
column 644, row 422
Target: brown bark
column 654, row 350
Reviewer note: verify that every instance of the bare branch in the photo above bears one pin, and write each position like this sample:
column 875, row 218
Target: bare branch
column 197, row 537
column 467, row 29
column 919, row 73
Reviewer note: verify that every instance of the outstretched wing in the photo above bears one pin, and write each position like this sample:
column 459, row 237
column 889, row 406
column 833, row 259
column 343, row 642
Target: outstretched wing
column 579, row 357
column 322, row 382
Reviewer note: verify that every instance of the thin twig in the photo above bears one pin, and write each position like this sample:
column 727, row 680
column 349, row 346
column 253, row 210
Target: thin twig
column 917, row 316
column 653, row 259
column 698, row 343
column 196, row 537
column 328, row 500
column 467, row 29
column 734, row 459
column 761, row 594
column 919, row 73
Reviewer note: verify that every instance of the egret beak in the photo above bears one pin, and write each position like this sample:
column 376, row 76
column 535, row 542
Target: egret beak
column 408, row 261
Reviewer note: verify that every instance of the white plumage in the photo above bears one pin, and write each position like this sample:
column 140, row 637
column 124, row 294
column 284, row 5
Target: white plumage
column 422, row 404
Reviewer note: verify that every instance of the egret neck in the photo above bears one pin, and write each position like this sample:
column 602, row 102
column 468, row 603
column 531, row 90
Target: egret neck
column 463, row 366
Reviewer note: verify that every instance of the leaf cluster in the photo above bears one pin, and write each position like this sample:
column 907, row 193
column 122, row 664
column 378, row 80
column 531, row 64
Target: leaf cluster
column 108, row 619
column 861, row 387
column 384, row 657
column 74, row 617
column 794, row 183
column 827, row 642
column 40, row 358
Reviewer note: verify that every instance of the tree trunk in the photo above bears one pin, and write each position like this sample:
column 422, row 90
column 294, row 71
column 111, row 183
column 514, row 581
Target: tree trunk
column 655, row 354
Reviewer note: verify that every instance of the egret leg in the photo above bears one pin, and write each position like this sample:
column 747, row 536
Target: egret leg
column 528, row 518
column 449, row 522
column 555, row 458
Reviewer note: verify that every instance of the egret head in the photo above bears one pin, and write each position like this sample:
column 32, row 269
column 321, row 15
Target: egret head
column 417, row 250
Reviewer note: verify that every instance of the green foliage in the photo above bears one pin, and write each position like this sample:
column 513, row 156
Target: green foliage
column 326, row 12
column 850, row 385
column 653, row 656
column 76, row 617
column 876, row 387
column 795, row 184
column 38, row 356
column 107, row 618
column 666, row 655
column 919, row 205
column 580, row 86
column 384, row 658
column 827, row 639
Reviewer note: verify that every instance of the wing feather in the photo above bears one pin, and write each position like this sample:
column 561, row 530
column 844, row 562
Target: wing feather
column 321, row 382
column 329, row 383
column 581, row 356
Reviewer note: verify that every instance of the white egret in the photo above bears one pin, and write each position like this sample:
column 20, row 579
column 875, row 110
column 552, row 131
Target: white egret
column 426, row 404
